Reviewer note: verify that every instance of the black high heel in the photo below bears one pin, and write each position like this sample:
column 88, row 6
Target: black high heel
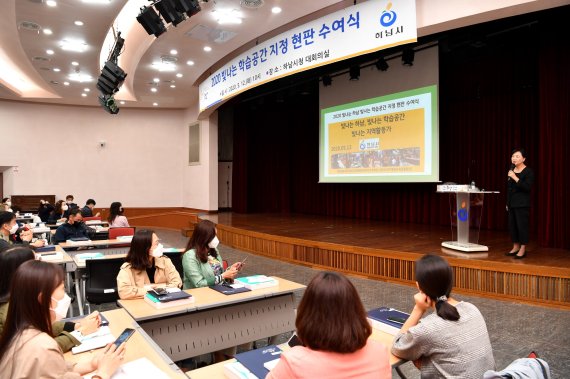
column 510, row 254
column 520, row 256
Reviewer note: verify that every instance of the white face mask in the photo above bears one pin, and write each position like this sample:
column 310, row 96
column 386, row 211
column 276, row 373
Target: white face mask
column 62, row 307
column 158, row 251
column 9, row 203
column 69, row 201
column 65, row 207
column 14, row 229
column 214, row 243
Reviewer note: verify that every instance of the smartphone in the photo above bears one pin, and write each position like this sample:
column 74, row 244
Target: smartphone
column 241, row 263
column 127, row 333
column 294, row 341
column 159, row 291
column 397, row 320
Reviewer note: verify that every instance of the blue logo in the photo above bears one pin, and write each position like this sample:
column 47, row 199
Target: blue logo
column 388, row 17
column 462, row 214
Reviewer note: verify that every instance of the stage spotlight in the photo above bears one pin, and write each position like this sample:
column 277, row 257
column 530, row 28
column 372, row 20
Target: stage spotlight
column 168, row 11
column 381, row 64
column 354, row 72
column 327, row 80
column 408, row 57
column 111, row 78
column 190, row 7
column 108, row 103
column 151, row 21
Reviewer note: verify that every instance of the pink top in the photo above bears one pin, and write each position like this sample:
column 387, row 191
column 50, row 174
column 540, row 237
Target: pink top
column 119, row 222
column 370, row 362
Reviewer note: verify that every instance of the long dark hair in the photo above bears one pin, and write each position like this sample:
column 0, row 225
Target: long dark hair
column 435, row 278
column 58, row 206
column 29, row 309
column 138, row 252
column 331, row 317
column 204, row 233
column 10, row 260
column 114, row 211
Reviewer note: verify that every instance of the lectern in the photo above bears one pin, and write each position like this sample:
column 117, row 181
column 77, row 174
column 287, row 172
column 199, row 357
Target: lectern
column 466, row 209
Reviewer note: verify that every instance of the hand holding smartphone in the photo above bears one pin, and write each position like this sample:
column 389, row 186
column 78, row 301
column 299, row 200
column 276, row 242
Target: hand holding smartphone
column 241, row 264
column 127, row 333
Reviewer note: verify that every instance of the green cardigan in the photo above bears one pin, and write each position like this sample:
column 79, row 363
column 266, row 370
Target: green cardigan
column 65, row 340
column 196, row 273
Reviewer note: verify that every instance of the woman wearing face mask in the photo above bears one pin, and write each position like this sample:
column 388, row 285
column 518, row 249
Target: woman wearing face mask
column 203, row 267
column 116, row 218
column 27, row 349
column 7, row 204
column 59, row 213
column 146, row 267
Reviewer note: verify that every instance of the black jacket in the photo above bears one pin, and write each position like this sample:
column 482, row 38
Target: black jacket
column 67, row 231
column 518, row 193
column 86, row 211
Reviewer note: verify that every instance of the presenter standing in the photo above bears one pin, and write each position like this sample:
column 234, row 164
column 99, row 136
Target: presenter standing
column 519, row 182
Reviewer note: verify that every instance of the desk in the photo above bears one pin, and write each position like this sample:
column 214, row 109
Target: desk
column 115, row 248
column 100, row 231
column 217, row 370
column 139, row 345
column 216, row 321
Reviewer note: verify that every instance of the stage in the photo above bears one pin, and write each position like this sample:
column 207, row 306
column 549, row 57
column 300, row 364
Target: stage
column 387, row 251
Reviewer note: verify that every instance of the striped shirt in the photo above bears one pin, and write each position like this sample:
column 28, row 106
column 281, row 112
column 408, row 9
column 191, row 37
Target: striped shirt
column 449, row 349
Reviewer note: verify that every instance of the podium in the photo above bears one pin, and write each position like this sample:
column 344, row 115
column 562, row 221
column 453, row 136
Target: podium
column 466, row 209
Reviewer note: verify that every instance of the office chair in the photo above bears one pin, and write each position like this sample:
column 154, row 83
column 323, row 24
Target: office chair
column 176, row 259
column 101, row 280
column 92, row 218
column 119, row 232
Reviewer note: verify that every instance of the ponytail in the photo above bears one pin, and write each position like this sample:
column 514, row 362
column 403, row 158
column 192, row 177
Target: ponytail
column 445, row 310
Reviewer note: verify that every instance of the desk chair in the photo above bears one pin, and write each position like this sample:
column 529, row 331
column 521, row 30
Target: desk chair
column 101, row 281
column 176, row 259
column 119, row 232
column 92, row 218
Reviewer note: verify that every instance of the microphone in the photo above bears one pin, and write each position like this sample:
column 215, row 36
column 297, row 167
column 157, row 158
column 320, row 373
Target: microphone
column 512, row 168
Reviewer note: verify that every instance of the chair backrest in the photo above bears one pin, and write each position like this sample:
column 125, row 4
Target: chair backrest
column 101, row 281
column 92, row 218
column 176, row 259
column 118, row 232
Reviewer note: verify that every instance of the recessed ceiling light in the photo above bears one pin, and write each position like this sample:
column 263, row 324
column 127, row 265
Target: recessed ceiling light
column 47, row 32
column 78, row 23
column 56, row 69
column 156, row 80
column 153, row 89
column 173, row 51
column 172, row 86
column 190, row 63
column 73, row 45
column 51, row 3
column 164, row 66
column 155, row 104
column 179, row 75
column 276, row 10
column 84, row 94
column 65, row 83
column 79, row 77
column 227, row 16
column 96, row 1
column 49, row 52
column 86, row 89
column 207, row 48
column 122, row 102
column 74, row 63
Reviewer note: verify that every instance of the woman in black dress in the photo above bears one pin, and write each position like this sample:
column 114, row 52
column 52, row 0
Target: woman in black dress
column 520, row 179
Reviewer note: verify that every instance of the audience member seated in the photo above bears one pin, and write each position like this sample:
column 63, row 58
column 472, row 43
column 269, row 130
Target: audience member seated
column 87, row 210
column 10, row 260
column 27, row 349
column 6, row 205
column 116, row 218
column 203, row 267
column 74, row 228
column 332, row 326
column 44, row 210
column 146, row 267
column 8, row 229
column 453, row 341
column 69, row 201
column 59, row 213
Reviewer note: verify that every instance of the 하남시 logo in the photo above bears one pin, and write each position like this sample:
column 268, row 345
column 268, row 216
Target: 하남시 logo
column 388, row 17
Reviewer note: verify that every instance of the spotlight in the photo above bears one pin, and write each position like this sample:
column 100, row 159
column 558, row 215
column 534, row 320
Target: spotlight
column 381, row 64
column 327, row 80
column 190, row 7
column 151, row 22
column 112, row 77
column 408, row 57
column 354, row 72
column 168, row 11
column 108, row 103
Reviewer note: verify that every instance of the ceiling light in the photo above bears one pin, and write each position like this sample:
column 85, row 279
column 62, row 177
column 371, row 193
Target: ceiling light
column 65, row 83
column 84, row 94
column 381, row 64
column 276, row 10
column 73, row 45
column 96, row 1
column 56, row 69
column 51, row 3
column 179, row 75
column 151, row 21
column 168, row 11
column 155, row 104
column 408, row 57
column 190, row 63
column 86, row 89
column 327, row 80
column 354, row 72
column 173, row 51
column 78, row 23
column 172, row 86
column 74, row 63
column 122, row 102
column 79, row 77
column 153, row 89
column 156, row 80
column 47, row 32
column 164, row 66
column 207, row 48
column 227, row 16
column 49, row 52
